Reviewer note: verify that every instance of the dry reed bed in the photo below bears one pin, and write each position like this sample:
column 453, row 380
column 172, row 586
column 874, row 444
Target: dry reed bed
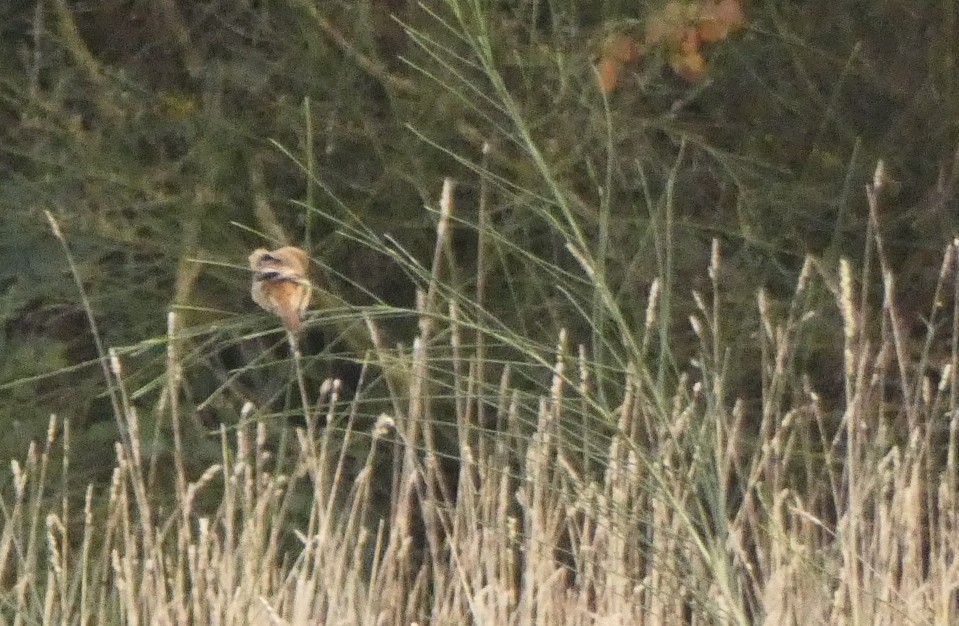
column 670, row 509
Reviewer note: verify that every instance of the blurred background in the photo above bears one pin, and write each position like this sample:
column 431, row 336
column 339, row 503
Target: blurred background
column 170, row 138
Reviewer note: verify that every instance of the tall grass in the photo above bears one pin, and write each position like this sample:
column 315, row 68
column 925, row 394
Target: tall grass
column 567, row 430
column 672, row 508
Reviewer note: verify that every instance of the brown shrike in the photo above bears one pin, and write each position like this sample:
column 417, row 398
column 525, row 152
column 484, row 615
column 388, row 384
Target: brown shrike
column 280, row 283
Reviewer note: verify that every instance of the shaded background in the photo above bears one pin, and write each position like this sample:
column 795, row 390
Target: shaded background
column 170, row 138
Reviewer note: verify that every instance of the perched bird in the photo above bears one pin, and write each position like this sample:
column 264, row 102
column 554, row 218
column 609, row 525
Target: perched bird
column 280, row 283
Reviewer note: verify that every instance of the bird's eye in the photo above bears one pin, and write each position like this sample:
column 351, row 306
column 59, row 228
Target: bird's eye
column 268, row 275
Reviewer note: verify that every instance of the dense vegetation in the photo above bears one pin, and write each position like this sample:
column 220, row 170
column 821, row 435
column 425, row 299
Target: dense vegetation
column 672, row 347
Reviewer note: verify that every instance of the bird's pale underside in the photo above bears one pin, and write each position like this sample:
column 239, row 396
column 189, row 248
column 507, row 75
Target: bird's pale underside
column 280, row 283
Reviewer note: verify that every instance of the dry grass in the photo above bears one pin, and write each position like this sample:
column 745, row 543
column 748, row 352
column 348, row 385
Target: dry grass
column 689, row 512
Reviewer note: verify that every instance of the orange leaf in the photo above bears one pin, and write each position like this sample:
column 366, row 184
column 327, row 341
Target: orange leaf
column 609, row 70
column 689, row 44
column 718, row 19
column 711, row 30
column 729, row 13
column 691, row 67
column 617, row 51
